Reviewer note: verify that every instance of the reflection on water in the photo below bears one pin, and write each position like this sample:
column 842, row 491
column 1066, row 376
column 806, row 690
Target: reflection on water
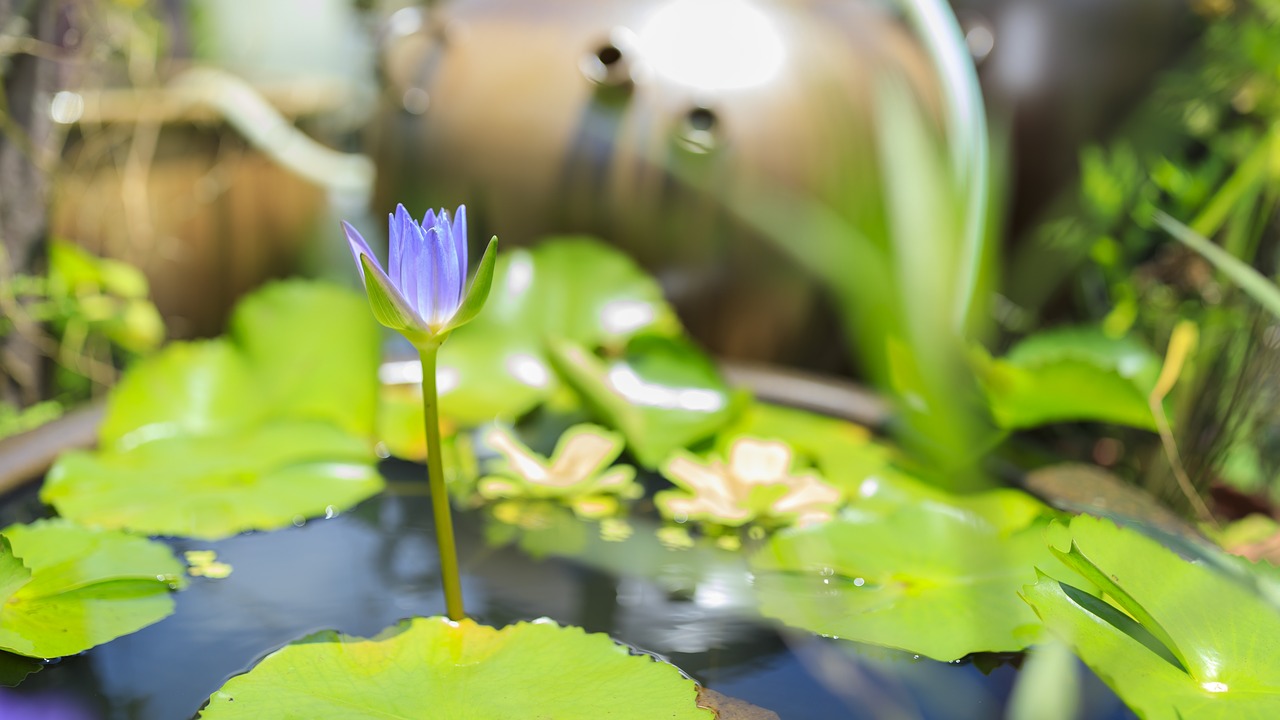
column 363, row 570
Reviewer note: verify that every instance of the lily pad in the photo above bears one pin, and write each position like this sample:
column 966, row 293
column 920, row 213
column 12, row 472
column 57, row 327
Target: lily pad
column 1173, row 639
column 576, row 289
column 212, row 487
column 433, row 668
column 314, row 353
column 1071, row 374
column 297, row 350
column 662, row 394
column 65, row 588
column 923, row 579
column 247, row 432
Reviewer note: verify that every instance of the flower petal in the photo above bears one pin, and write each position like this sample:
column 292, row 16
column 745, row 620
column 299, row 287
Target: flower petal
column 460, row 246
column 359, row 247
column 405, row 247
column 446, row 290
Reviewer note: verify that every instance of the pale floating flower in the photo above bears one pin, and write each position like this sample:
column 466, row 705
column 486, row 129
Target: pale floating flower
column 580, row 471
column 756, row 484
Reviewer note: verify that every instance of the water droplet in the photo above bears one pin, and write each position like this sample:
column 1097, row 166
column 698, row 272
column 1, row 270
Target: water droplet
column 330, row 512
column 827, row 572
column 381, row 450
column 859, row 582
column 299, row 521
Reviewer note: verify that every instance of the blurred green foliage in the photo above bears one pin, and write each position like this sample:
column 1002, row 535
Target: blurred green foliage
column 88, row 315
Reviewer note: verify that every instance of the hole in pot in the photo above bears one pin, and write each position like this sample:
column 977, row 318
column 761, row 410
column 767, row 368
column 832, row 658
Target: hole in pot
column 609, row 65
column 698, row 131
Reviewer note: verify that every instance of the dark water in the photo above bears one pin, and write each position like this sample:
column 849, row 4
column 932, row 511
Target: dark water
column 365, row 569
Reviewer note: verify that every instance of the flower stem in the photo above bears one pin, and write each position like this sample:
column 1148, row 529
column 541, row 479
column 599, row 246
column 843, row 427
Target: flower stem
column 439, row 495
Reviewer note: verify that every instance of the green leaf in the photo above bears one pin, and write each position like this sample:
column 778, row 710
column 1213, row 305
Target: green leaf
column 571, row 288
column 313, row 352
column 663, row 394
column 922, row 579
column 297, row 350
column 388, row 306
column 431, row 668
column 200, row 388
column 1070, row 374
column 83, row 587
column 211, row 487
column 478, row 293
column 1174, row 639
column 247, row 432
column 1255, row 284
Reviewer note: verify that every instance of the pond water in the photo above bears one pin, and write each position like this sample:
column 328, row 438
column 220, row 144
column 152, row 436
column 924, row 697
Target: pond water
column 361, row 571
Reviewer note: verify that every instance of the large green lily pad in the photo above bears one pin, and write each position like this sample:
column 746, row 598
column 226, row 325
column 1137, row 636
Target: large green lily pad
column 932, row 580
column 576, row 289
column 212, row 487
column 247, row 432
column 297, row 350
column 1070, row 374
column 1174, row 639
column 429, row 668
column 662, row 394
column 65, row 588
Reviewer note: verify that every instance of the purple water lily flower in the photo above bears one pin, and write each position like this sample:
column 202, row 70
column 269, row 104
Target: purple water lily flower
column 422, row 293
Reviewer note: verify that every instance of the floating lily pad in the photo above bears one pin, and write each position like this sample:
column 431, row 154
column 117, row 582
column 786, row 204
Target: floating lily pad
column 213, row 438
column 432, row 668
column 65, row 588
column 923, row 579
column 1071, row 374
column 662, row 395
column 314, row 353
column 1173, row 639
column 297, row 350
column 572, row 288
column 216, row 486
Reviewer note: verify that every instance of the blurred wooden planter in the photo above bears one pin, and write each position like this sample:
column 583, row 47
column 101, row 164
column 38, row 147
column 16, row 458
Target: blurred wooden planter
column 171, row 189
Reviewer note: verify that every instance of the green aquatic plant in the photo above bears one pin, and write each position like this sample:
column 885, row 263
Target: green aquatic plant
column 258, row 430
column 1174, row 639
column 65, row 588
column 423, row 295
column 931, row 579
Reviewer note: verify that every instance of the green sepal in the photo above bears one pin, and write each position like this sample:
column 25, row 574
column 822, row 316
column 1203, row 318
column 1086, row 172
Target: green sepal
column 389, row 307
column 474, row 302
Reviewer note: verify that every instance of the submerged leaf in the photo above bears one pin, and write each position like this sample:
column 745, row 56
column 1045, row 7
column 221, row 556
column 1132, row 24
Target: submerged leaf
column 429, row 668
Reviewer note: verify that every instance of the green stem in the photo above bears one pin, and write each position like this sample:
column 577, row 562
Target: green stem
column 439, row 494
